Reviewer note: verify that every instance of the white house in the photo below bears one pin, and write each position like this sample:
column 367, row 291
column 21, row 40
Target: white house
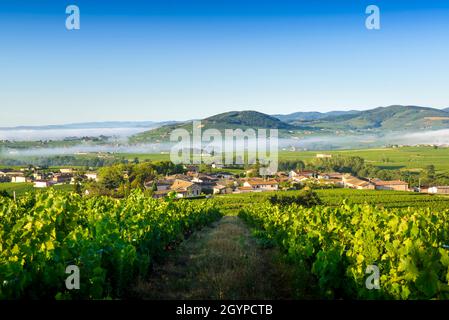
column 323, row 156
column 42, row 184
column 261, row 184
column 92, row 176
column 296, row 173
column 439, row 190
column 18, row 179
column 66, row 170
column 220, row 189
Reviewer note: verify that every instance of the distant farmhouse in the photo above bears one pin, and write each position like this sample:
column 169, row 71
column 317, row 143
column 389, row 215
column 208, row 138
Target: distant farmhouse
column 439, row 190
column 261, row 184
column 323, row 155
column 396, row 185
column 185, row 189
column 352, row 182
column 374, row 184
column 42, row 184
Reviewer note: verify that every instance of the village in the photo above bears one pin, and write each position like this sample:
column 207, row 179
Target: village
column 194, row 182
column 44, row 178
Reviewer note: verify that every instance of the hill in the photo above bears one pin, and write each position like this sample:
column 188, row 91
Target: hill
column 245, row 119
column 392, row 118
column 228, row 120
column 380, row 120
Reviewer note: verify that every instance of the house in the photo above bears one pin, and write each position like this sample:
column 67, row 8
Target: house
column 205, row 179
column 161, row 185
column 333, row 175
column 439, row 190
column 396, row 185
column 261, row 184
column 323, row 156
column 185, row 189
column 220, row 189
column 38, row 176
column 62, row 177
column 66, row 170
column 42, row 184
column 19, row 178
column 301, row 179
column 4, row 172
column 206, row 182
column 356, row 183
column 334, row 181
column 297, row 173
column 246, row 190
column 92, row 176
column 178, row 176
column 224, row 175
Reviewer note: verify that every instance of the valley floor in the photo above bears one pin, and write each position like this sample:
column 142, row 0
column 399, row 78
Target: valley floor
column 223, row 261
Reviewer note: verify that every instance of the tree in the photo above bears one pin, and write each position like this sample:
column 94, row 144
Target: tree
column 77, row 184
column 154, row 186
column 428, row 174
column 112, row 177
column 141, row 173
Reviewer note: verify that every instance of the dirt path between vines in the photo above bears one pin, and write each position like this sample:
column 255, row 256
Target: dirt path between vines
column 222, row 261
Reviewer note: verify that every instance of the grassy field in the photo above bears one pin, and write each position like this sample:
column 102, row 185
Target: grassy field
column 410, row 158
column 22, row 188
column 145, row 156
column 19, row 188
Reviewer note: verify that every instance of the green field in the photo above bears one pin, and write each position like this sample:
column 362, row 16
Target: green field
column 19, row 188
column 144, row 156
column 410, row 158
column 22, row 188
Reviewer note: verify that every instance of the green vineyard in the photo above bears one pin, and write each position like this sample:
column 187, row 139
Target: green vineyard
column 336, row 245
column 113, row 242
column 329, row 241
column 335, row 197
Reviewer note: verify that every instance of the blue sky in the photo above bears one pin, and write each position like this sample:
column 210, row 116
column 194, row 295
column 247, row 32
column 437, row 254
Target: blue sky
column 183, row 59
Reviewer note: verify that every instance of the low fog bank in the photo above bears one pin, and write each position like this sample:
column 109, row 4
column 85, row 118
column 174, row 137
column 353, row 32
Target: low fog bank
column 61, row 134
column 85, row 149
column 438, row 137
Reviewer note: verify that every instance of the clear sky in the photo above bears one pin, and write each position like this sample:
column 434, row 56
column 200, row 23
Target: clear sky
column 183, row 59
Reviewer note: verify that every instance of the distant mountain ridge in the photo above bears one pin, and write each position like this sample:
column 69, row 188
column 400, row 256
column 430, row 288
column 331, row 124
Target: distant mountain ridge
column 381, row 120
column 392, row 118
column 94, row 125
